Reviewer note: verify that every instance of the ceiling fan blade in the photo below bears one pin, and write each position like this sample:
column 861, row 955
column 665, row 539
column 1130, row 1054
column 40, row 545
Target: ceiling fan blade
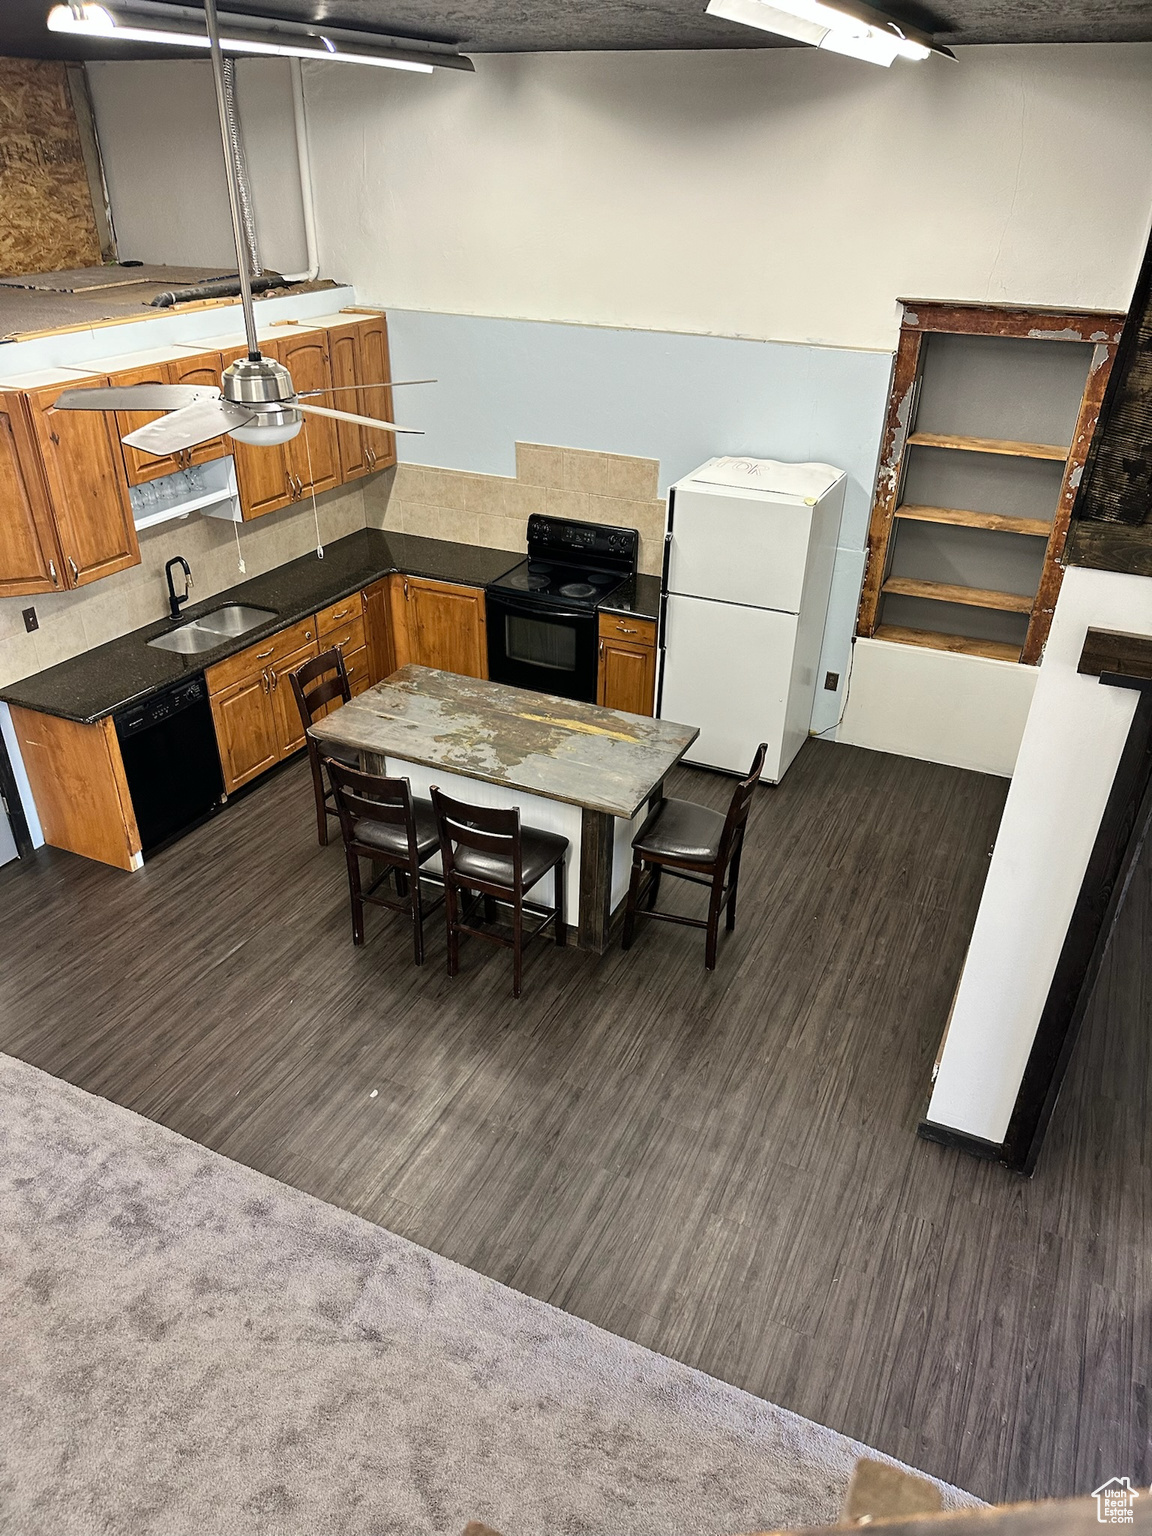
column 343, row 389
column 135, row 397
column 193, row 424
column 364, row 421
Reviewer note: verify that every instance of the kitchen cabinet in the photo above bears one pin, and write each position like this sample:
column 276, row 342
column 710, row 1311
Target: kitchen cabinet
column 262, row 474
column 200, row 368
column 83, row 469
column 439, row 624
column 313, row 455
column 344, row 355
column 627, row 673
column 376, row 367
column 30, row 558
column 253, row 707
column 378, row 626
column 139, row 465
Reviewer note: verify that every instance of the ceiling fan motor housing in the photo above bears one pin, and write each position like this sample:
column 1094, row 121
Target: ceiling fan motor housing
column 266, row 387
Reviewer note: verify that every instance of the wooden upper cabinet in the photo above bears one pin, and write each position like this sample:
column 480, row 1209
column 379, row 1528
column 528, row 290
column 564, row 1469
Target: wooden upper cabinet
column 446, row 627
column 203, row 368
column 344, row 360
column 376, row 368
column 84, row 471
column 139, row 465
column 29, row 554
column 313, row 454
column 261, row 473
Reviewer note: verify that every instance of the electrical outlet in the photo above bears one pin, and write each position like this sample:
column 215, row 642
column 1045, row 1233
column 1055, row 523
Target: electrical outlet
column 831, row 681
column 31, row 622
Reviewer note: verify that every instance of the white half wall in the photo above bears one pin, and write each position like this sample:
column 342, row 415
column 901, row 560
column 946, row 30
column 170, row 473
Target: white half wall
column 967, row 711
column 1068, row 758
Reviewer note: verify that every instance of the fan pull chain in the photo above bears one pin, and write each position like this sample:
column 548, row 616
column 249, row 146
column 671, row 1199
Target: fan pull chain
column 312, row 483
column 239, row 551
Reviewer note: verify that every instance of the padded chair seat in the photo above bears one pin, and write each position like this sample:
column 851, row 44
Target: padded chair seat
column 538, row 852
column 394, row 839
column 681, row 829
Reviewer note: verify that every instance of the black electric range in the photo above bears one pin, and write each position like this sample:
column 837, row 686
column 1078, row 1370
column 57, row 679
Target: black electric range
column 541, row 616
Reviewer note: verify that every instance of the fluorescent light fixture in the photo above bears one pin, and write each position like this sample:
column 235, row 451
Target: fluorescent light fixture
column 146, row 21
column 867, row 35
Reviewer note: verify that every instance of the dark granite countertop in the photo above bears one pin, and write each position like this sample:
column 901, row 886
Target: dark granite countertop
column 99, row 682
column 639, row 598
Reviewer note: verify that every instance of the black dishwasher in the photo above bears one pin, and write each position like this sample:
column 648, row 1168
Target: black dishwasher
column 168, row 744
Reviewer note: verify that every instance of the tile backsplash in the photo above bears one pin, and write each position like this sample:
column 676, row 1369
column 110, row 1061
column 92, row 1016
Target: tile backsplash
column 489, row 510
column 493, row 510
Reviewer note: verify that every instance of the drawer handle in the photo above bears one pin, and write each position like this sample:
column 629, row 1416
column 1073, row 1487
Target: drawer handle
column 624, row 630
column 261, row 655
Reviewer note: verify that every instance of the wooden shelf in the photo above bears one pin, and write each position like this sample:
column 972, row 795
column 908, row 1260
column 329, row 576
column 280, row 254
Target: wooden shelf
column 989, row 445
column 961, row 517
column 964, row 645
column 971, row 597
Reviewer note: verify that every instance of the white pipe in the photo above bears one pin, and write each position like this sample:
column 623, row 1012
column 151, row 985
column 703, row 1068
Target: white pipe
column 304, row 161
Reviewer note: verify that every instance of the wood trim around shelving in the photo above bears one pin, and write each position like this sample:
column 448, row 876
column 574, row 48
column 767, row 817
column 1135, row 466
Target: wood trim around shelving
column 901, row 400
column 963, row 645
column 962, row 517
column 1025, row 321
column 946, row 592
column 988, row 445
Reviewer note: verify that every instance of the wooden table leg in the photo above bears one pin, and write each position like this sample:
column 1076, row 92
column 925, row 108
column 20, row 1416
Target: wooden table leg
column 596, row 837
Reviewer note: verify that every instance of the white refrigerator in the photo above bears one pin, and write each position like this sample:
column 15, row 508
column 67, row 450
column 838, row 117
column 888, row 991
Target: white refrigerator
column 748, row 561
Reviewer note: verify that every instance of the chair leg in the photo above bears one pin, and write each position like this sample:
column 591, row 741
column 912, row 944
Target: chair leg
column 561, row 926
column 318, row 792
column 489, row 909
column 654, row 885
column 451, row 917
column 401, row 882
column 356, row 897
column 517, row 947
column 417, row 921
column 630, row 908
column 713, row 920
column 733, row 887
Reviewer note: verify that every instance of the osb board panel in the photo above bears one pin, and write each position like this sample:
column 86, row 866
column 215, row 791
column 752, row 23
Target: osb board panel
column 46, row 218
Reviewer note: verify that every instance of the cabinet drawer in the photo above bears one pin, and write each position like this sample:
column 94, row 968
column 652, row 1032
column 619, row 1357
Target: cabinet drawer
column 349, row 636
column 340, row 615
column 251, row 662
column 356, row 666
column 616, row 626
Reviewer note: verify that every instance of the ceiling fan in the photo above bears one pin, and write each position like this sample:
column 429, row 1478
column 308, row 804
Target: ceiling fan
column 257, row 403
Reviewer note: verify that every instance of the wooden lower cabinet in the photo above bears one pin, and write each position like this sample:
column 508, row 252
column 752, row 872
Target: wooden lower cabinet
column 627, row 673
column 438, row 624
column 285, row 711
column 378, row 629
column 77, row 779
column 246, row 731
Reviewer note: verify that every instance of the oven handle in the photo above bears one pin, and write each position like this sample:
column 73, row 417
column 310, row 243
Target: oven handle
column 543, row 610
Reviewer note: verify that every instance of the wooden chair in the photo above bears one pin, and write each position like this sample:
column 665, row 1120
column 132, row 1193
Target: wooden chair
column 381, row 820
column 487, row 851
column 691, row 842
column 315, row 685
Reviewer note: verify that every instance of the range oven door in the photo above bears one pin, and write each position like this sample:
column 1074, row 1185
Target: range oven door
column 536, row 645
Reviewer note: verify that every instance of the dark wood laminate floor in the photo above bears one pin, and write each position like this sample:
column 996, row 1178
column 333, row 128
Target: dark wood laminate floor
column 722, row 1167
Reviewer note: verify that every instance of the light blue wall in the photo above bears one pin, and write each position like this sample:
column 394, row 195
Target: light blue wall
column 678, row 399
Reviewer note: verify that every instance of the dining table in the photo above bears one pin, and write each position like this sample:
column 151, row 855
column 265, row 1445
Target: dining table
column 588, row 773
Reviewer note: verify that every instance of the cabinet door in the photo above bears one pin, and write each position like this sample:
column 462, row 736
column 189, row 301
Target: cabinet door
column 344, row 360
column 627, row 677
column 261, row 473
column 378, row 625
column 446, row 627
column 29, row 555
column 313, row 454
column 289, row 726
column 375, row 369
column 84, row 469
column 204, row 368
column 246, row 730
column 140, row 465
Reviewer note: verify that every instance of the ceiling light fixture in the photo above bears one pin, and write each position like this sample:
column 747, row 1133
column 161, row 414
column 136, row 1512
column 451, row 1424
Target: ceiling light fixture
column 182, row 26
column 861, row 33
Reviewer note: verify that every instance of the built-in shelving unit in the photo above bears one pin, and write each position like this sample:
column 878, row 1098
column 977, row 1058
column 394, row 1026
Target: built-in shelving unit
column 989, row 420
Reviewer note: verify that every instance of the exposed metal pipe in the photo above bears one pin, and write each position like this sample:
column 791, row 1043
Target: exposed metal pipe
column 304, row 162
column 233, row 196
column 243, row 187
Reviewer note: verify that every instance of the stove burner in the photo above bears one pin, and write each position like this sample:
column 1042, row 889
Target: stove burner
column 535, row 583
column 578, row 589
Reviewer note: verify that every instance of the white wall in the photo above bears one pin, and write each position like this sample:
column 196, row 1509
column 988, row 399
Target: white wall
column 161, row 144
column 1072, row 743
column 784, row 194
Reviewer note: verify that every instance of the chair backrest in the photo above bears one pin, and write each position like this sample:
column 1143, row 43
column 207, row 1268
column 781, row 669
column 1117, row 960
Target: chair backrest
column 363, row 796
column 741, row 802
column 485, row 828
column 319, row 681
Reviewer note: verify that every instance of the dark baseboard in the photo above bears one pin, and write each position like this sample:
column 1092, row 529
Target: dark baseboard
column 961, row 1141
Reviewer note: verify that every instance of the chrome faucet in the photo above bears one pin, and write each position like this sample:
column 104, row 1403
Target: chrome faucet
column 176, row 603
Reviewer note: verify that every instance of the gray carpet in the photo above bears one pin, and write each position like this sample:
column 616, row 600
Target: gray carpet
column 187, row 1346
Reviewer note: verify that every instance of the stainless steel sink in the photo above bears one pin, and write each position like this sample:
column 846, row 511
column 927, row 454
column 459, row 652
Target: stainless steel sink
column 205, row 633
